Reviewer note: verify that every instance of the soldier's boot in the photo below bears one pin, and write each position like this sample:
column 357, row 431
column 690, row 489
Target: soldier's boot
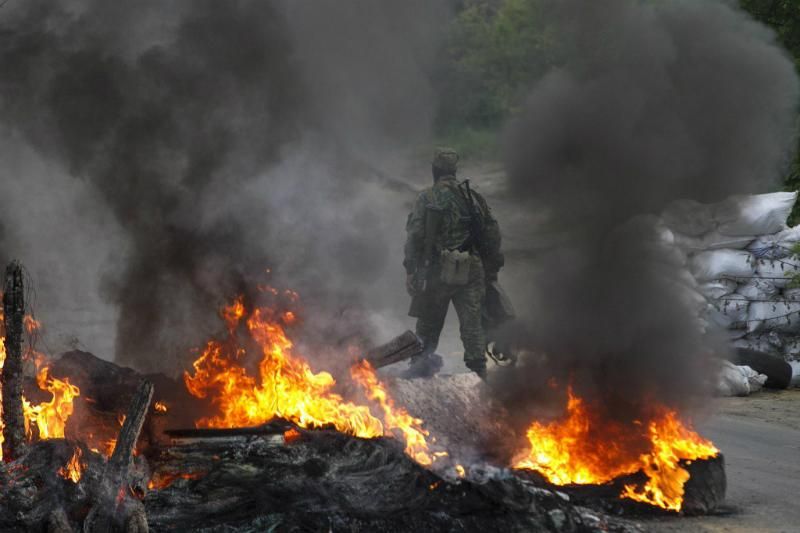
column 479, row 367
column 423, row 366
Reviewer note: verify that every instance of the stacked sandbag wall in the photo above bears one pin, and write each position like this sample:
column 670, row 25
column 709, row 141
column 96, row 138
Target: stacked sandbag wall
column 740, row 253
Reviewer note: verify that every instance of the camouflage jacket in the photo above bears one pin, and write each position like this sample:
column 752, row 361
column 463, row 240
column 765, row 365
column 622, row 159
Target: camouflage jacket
column 446, row 195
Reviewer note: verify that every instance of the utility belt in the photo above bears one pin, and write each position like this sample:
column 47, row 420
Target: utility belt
column 455, row 264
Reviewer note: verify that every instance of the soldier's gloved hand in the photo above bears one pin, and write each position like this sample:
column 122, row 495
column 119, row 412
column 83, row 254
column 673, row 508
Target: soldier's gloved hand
column 410, row 285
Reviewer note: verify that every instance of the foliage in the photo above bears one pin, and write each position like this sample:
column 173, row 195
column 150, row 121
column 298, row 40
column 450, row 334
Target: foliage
column 783, row 16
column 493, row 53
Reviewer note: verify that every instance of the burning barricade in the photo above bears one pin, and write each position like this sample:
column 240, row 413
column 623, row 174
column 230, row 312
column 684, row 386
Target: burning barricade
column 272, row 443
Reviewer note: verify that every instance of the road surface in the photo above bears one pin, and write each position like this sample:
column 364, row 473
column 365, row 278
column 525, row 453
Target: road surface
column 760, row 438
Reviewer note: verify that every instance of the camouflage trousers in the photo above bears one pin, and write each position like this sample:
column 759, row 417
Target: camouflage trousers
column 468, row 301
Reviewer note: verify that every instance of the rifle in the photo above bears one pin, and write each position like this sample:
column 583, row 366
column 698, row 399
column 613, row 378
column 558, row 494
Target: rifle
column 421, row 281
column 476, row 231
column 497, row 307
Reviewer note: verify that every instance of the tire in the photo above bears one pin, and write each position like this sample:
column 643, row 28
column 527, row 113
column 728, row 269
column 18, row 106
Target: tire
column 778, row 371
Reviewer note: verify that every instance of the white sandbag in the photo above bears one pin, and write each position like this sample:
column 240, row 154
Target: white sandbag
column 759, row 214
column 712, row 241
column 689, row 217
column 791, row 347
column 778, row 271
column 685, row 278
column 759, row 343
column 754, row 380
column 694, row 301
column 791, row 294
column 758, row 289
column 716, row 264
column 776, row 246
column 736, row 334
column 665, row 235
column 731, row 312
column 718, row 288
column 731, row 381
column 774, row 316
column 795, row 373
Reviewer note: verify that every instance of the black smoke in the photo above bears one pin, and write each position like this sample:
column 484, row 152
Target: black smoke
column 223, row 138
column 652, row 102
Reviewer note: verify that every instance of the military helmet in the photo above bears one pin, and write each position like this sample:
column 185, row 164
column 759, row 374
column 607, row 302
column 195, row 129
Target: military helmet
column 445, row 159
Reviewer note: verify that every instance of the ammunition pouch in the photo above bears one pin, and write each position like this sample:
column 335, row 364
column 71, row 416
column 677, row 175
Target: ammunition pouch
column 455, row 267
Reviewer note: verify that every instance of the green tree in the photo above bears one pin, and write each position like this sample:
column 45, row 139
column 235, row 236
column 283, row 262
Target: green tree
column 783, row 16
column 494, row 52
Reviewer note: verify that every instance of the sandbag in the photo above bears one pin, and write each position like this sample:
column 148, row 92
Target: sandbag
column 760, row 343
column 775, row 246
column 716, row 264
column 718, row 288
column 795, row 381
column 712, row 241
column 791, row 347
column 731, row 312
column 778, row 371
column 774, row 316
column 731, row 381
column 778, row 271
column 689, row 217
column 758, row 289
column 759, row 214
column 755, row 380
column 791, row 294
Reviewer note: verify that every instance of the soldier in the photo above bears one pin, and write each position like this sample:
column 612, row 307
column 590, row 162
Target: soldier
column 451, row 252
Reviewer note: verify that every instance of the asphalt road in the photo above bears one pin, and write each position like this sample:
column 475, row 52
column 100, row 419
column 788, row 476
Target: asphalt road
column 760, row 438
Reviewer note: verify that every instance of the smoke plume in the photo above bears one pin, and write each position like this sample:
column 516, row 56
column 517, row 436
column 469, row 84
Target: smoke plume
column 652, row 102
column 215, row 140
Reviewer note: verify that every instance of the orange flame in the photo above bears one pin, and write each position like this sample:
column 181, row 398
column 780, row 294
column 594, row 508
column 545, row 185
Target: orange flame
column 291, row 435
column 583, row 449
column 160, row 407
column 50, row 417
column 162, row 480
column 74, row 468
column 396, row 418
column 284, row 385
column 672, row 442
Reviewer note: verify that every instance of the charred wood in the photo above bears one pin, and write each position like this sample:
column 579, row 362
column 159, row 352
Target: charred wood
column 12, row 378
column 402, row 347
column 113, row 503
column 57, row 521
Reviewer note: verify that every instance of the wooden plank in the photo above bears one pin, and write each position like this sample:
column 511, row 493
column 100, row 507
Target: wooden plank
column 404, row 346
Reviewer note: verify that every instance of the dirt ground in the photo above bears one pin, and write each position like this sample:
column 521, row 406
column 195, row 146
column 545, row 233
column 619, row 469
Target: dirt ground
column 760, row 439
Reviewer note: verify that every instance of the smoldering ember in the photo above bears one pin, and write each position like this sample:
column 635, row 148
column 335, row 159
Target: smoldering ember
column 232, row 233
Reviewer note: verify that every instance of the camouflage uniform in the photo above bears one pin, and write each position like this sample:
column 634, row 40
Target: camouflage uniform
column 447, row 196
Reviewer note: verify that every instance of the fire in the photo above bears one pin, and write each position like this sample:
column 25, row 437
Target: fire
column 291, row 435
column 583, row 448
column 672, row 442
column 160, row 407
column 285, row 386
column 74, row 468
column 50, row 418
column 162, row 480
column 396, row 417
column 282, row 386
